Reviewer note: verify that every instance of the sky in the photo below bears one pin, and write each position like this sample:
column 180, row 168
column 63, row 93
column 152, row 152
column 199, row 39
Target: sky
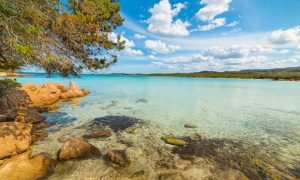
column 208, row 35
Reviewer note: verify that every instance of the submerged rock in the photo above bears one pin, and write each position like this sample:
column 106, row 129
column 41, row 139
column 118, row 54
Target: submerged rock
column 116, row 123
column 24, row 167
column 196, row 137
column 269, row 171
column 141, row 100
column 39, row 135
column 170, row 176
column 174, row 141
column 133, row 153
column 14, row 138
column 101, row 134
column 233, row 155
column 75, row 148
column 190, row 125
column 117, row 157
column 132, row 130
column 195, row 173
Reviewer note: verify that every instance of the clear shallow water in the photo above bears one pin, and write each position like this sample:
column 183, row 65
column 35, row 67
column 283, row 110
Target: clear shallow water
column 260, row 112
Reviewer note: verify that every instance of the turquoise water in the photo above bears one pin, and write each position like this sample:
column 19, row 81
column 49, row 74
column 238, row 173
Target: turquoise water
column 260, row 112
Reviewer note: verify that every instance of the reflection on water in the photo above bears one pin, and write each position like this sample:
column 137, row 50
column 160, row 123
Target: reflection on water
column 255, row 121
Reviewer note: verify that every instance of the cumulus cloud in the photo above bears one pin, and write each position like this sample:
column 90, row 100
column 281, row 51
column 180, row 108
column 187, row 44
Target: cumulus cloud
column 212, row 25
column 161, row 21
column 157, row 46
column 287, row 36
column 139, row 36
column 178, row 8
column 226, row 53
column 151, row 57
column 129, row 45
column 186, row 59
column 212, row 9
column 234, row 57
column 234, row 51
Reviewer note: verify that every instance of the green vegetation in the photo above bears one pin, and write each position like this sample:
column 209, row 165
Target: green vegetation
column 7, row 85
column 59, row 36
column 292, row 74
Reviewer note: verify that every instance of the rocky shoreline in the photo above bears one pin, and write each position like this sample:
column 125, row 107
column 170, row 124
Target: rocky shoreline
column 21, row 120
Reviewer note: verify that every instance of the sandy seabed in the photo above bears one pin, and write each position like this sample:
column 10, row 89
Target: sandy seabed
column 149, row 157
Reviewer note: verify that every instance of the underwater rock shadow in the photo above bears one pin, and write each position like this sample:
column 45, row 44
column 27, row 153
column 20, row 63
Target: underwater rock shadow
column 141, row 100
column 59, row 118
column 116, row 123
column 237, row 155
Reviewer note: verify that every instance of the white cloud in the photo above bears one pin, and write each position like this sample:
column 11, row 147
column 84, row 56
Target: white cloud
column 212, row 9
column 151, row 57
column 130, row 51
column 227, row 53
column 139, row 36
column 232, row 31
column 185, row 59
column 178, row 8
column 157, row 46
column 129, row 45
column 288, row 36
column 235, row 57
column 212, row 25
column 208, row 13
column 241, row 51
column 232, row 24
column 161, row 20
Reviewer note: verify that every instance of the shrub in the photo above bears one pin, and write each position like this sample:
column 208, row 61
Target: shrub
column 7, row 85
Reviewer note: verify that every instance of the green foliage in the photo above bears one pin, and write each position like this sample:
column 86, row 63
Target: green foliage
column 59, row 38
column 293, row 76
column 7, row 85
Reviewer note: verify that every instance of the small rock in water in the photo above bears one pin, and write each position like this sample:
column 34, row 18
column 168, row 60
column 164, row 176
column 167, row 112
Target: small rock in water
column 194, row 173
column 133, row 153
column 189, row 125
column 138, row 173
column 38, row 135
column 141, row 100
column 101, row 134
column 117, row 157
column 174, row 141
column 76, row 147
column 170, row 176
column 132, row 130
column 116, row 123
column 196, row 137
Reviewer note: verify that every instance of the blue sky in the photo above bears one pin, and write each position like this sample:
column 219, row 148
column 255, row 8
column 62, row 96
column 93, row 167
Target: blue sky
column 199, row 35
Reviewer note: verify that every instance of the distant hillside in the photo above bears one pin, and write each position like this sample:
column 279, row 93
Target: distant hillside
column 288, row 69
column 290, row 73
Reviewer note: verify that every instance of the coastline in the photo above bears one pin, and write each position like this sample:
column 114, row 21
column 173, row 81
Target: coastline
column 22, row 124
column 218, row 77
column 5, row 74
